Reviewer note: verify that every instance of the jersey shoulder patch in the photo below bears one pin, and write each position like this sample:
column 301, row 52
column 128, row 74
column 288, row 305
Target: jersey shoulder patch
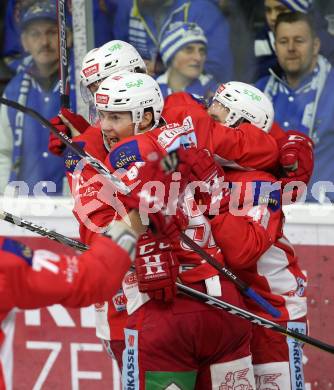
column 125, row 154
column 18, row 249
column 267, row 193
column 71, row 158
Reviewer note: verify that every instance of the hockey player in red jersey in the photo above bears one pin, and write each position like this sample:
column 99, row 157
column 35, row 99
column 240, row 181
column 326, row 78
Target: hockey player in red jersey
column 31, row 279
column 265, row 260
column 131, row 103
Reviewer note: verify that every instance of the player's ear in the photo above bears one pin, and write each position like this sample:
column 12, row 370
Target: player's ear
column 146, row 121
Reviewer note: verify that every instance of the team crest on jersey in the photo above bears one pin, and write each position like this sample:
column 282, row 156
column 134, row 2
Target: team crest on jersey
column 125, row 155
column 235, row 380
column 18, row 249
column 72, row 159
column 183, row 135
column 264, row 193
column 267, row 381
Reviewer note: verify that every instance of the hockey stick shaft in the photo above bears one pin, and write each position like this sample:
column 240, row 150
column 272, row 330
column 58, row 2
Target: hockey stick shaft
column 207, row 299
column 63, row 63
column 248, row 291
column 120, row 185
column 260, row 321
column 96, row 164
column 42, row 231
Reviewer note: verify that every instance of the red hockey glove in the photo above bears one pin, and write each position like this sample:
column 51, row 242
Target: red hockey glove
column 157, row 194
column 70, row 124
column 213, row 192
column 296, row 157
column 157, row 269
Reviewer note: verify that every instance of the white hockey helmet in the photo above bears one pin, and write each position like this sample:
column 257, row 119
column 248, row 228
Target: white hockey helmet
column 112, row 57
column 245, row 102
column 132, row 92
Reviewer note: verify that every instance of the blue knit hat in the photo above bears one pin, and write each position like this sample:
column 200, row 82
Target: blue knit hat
column 177, row 36
column 38, row 11
column 298, row 5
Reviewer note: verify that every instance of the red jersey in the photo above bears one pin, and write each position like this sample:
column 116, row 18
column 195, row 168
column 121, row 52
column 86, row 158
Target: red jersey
column 254, row 246
column 41, row 278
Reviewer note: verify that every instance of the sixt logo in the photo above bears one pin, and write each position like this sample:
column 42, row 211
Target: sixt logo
column 91, row 70
column 133, row 84
column 252, row 95
column 101, row 99
column 116, row 46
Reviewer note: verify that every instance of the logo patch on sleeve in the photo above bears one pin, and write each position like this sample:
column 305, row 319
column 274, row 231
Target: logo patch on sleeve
column 125, row 155
column 18, row 249
column 265, row 193
column 72, row 159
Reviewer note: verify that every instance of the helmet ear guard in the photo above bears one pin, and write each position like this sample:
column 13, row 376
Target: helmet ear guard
column 245, row 102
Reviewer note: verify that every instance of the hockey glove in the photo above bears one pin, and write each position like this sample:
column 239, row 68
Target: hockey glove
column 156, row 195
column 68, row 123
column 208, row 180
column 157, row 270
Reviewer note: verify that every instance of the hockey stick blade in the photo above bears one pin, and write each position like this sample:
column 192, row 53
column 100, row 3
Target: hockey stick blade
column 260, row 321
column 248, row 291
column 96, row 164
column 42, row 231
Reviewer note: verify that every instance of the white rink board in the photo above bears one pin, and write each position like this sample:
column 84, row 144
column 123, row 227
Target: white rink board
column 307, row 224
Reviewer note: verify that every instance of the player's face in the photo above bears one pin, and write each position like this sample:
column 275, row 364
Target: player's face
column 189, row 61
column 272, row 9
column 296, row 48
column 218, row 112
column 40, row 39
column 116, row 126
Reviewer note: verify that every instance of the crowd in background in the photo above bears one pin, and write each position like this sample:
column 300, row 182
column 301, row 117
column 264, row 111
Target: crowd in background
column 284, row 47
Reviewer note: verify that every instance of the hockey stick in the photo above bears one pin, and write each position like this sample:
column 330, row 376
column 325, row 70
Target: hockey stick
column 42, row 231
column 63, row 64
column 260, row 321
column 243, row 287
column 120, row 185
column 207, row 299
column 96, row 164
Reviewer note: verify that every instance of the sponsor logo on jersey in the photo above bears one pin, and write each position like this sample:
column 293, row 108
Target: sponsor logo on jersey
column 18, row 249
column 172, row 138
column 125, row 155
column 296, row 356
column 91, row 70
column 99, row 306
column 72, row 159
column 119, row 301
column 101, row 98
column 130, row 377
column 130, row 278
column 264, row 193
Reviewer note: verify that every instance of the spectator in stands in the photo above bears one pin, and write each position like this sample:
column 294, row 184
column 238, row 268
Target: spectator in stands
column 302, row 94
column 264, row 47
column 143, row 23
column 183, row 51
column 24, row 152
